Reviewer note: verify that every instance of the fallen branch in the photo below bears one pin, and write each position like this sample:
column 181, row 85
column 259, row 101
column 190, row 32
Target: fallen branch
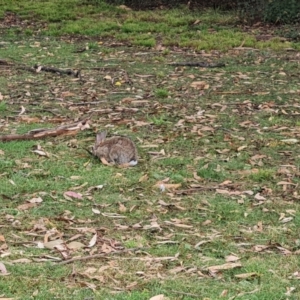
column 38, row 68
column 88, row 103
column 71, row 129
column 101, row 255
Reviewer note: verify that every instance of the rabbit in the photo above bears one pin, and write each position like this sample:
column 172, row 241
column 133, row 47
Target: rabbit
column 116, row 150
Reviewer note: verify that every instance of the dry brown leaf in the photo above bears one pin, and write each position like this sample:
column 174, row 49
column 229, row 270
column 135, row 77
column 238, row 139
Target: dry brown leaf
column 290, row 141
column 153, row 226
column 286, row 220
column 3, row 270
column 226, row 266
column 162, row 185
column 143, row 178
column 177, row 224
column 21, row 261
column 2, row 238
column 285, row 183
column 107, row 77
column 75, row 245
column 93, row 240
column 127, row 100
column 223, row 192
column 53, row 244
column 28, row 119
column 141, row 123
column 259, row 197
column 105, row 162
column 246, row 275
column 26, row 206
column 36, row 200
column 241, row 148
column 71, row 194
column 260, row 248
column 176, row 270
column 96, row 211
column 231, row 258
column 199, row 85
column 41, row 153
column 113, row 215
column 67, row 94
column 158, row 297
column 207, row 222
column 122, row 208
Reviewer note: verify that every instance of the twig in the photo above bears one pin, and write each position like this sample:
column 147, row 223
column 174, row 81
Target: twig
column 87, row 103
column 198, row 64
column 195, row 190
column 60, row 71
column 101, row 255
column 36, row 69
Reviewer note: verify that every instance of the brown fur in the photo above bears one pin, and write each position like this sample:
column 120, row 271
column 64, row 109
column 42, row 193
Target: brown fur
column 115, row 150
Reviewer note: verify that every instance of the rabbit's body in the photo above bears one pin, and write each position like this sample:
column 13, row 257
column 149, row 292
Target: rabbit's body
column 115, row 150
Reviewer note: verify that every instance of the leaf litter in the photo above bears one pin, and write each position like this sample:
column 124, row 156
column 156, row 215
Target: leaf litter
column 218, row 134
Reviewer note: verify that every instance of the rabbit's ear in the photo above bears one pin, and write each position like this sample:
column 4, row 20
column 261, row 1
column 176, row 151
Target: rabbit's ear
column 100, row 137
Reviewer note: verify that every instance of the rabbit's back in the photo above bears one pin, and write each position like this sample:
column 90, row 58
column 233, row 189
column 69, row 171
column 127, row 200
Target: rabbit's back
column 119, row 150
column 122, row 150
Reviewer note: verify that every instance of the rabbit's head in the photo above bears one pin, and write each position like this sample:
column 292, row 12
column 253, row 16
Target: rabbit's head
column 97, row 149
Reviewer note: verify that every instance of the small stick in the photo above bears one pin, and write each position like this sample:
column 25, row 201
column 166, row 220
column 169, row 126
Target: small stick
column 101, row 255
column 198, row 64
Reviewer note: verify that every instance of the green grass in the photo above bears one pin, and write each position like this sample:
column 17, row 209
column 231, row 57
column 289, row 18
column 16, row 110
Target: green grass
column 225, row 146
column 177, row 27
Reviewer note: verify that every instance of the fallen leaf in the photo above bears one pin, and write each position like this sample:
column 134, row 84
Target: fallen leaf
column 290, row 141
column 226, row 266
column 122, row 208
column 259, row 197
column 41, row 153
column 53, row 244
column 3, row 270
column 26, row 206
column 36, row 200
column 96, row 211
column 199, row 85
column 286, row 220
column 144, row 178
column 285, row 183
column 71, row 194
column 21, row 261
column 93, row 241
column 75, row 245
column 158, row 297
column 107, row 77
column 241, row 148
column 231, row 258
column 246, row 275
column 170, row 186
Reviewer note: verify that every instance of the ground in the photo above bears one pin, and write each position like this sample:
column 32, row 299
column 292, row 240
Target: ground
column 211, row 211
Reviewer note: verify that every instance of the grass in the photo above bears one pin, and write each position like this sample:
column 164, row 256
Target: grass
column 225, row 142
column 177, row 27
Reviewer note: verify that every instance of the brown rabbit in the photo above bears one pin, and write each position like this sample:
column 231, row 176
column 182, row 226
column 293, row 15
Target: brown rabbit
column 116, row 150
